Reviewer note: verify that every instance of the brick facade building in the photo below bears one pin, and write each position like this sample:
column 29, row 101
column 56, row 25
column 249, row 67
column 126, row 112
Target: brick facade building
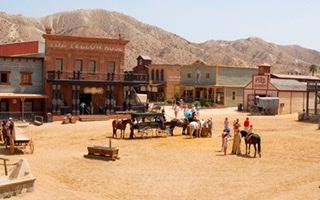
column 87, row 70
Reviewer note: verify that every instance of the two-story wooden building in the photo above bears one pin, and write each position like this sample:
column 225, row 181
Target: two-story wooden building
column 220, row 85
column 164, row 79
column 21, row 87
column 90, row 71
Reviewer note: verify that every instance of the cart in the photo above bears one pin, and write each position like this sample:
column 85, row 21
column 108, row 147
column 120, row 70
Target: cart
column 148, row 124
column 20, row 139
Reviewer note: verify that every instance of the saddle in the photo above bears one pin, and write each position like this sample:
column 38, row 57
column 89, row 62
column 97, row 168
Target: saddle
column 249, row 136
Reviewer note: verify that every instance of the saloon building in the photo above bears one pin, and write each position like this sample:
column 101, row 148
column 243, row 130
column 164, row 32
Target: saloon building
column 291, row 90
column 89, row 71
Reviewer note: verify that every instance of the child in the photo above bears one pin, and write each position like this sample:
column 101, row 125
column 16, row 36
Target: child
column 225, row 143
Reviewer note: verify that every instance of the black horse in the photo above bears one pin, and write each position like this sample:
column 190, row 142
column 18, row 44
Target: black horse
column 254, row 139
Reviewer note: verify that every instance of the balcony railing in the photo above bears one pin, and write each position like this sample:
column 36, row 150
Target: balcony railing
column 86, row 76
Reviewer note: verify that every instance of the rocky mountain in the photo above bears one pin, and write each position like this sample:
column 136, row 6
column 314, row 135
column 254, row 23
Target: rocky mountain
column 160, row 45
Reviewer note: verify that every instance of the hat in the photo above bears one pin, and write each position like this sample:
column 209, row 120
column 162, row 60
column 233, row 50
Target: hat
column 10, row 118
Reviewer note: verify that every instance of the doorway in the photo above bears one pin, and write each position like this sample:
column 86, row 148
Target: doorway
column 86, row 107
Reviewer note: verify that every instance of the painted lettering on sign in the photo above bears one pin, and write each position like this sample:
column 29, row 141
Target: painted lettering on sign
column 260, row 82
column 174, row 78
column 84, row 46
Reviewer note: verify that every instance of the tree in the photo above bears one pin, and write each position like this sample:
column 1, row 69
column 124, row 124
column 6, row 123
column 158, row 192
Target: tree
column 313, row 68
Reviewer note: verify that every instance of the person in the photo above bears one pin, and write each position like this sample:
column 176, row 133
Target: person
column 246, row 124
column 82, row 108
column 226, row 126
column 176, row 111
column 225, row 143
column 210, row 124
column 236, row 138
column 250, row 129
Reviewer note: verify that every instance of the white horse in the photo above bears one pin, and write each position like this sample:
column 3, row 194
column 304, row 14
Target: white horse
column 194, row 126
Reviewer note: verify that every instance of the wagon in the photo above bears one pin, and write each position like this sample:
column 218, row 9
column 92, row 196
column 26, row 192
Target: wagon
column 147, row 124
column 20, row 139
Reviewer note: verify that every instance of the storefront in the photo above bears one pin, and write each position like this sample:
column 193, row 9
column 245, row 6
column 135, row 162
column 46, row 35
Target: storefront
column 21, row 87
column 88, row 72
column 292, row 93
column 214, row 85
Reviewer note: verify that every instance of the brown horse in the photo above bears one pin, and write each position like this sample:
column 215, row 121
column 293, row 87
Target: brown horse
column 120, row 124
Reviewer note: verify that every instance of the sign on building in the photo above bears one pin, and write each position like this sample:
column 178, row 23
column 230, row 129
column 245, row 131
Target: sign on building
column 260, row 82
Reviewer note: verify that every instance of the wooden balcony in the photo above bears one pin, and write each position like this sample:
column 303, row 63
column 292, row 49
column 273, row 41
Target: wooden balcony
column 127, row 77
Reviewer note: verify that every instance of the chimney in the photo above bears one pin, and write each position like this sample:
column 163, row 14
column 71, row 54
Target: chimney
column 264, row 69
column 48, row 30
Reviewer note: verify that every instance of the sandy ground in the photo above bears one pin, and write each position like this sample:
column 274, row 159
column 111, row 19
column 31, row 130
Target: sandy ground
column 176, row 167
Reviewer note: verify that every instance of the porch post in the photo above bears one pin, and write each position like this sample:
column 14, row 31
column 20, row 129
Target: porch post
column 214, row 95
column 74, row 99
column 193, row 94
column 77, row 99
column 58, row 99
column 307, row 106
column 22, row 108
column 315, row 102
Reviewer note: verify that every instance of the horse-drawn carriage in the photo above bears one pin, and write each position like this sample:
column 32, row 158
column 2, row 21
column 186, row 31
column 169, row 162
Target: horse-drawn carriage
column 149, row 124
column 17, row 135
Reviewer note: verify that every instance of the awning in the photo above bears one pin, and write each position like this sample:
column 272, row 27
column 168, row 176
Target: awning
column 26, row 96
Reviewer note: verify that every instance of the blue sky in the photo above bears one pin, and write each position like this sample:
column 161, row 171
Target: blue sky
column 277, row 21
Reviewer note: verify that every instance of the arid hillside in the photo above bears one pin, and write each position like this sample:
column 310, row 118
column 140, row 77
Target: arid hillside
column 162, row 46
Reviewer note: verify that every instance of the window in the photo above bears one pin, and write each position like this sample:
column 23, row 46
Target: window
column 152, row 74
column 4, row 77
column 207, row 75
column 111, row 67
column 4, row 106
column 78, row 65
column 92, row 66
column 59, row 64
column 161, row 75
column 233, row 95
column 189, row 75
column 26, row 78
column 28, row 106
column 157, row 75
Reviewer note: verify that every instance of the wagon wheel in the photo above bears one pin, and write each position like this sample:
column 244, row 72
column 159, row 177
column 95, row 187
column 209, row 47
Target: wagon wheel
column 31, row 146
column 11, row 145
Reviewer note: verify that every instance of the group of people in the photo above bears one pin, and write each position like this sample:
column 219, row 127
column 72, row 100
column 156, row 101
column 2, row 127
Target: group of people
column 237, row 137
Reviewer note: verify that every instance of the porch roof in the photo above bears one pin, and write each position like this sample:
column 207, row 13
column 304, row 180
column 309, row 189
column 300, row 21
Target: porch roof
column 20, row 95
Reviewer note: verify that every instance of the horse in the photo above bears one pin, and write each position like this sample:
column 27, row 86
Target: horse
column 8, row 134
column 172, row 124
column 120, row 124
column 254, row 139
column 194, row 126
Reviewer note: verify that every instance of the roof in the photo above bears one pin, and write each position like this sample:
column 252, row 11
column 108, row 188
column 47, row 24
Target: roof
column 19, row 95
column 288, row 84
column 296, row 77
column 84, row 39
column 235, row 77
column 144, row 57
column 39, row 56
